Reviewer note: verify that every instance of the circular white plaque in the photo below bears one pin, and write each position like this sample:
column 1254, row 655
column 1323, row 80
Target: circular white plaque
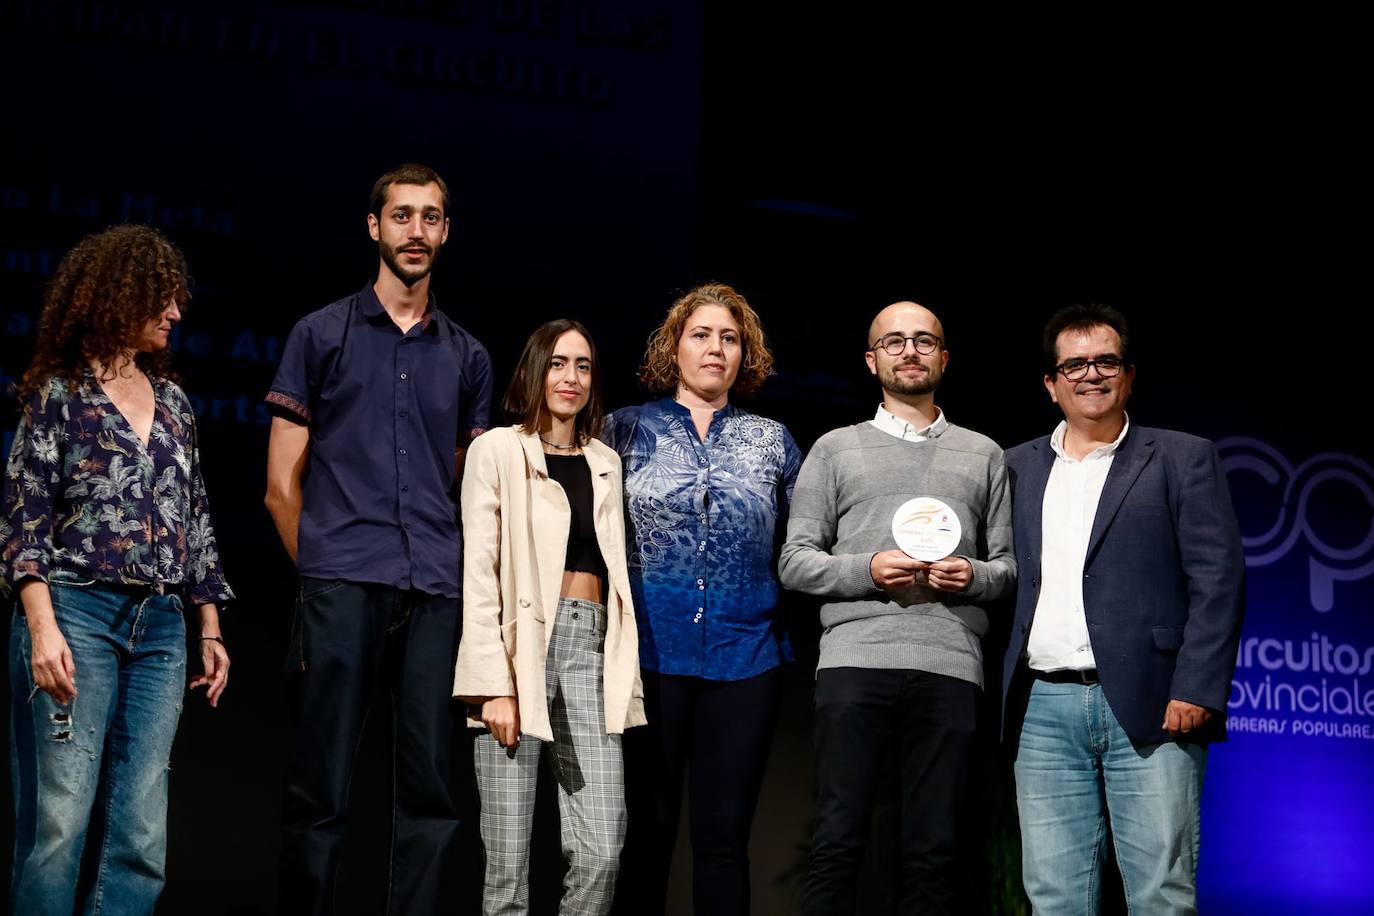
column 926, row 529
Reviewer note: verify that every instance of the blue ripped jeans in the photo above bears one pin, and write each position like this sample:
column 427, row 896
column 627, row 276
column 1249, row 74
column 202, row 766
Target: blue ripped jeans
column 90, row 777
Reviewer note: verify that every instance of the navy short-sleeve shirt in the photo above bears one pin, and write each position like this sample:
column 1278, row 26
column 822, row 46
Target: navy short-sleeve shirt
column 386, row 411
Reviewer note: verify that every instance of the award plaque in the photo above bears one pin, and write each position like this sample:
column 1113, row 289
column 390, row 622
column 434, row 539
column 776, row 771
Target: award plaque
column 926, row 529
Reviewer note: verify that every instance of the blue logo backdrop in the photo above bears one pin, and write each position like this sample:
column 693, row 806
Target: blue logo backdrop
column 1288, row 819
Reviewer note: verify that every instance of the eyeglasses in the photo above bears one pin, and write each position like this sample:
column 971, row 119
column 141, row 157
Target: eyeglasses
column 895, row 344
column 1077, row 369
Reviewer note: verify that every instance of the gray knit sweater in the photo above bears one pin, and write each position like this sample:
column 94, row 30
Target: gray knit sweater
column 850, row 485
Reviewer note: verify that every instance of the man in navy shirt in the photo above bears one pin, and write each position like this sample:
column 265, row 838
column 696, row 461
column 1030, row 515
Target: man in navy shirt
column 375, row 400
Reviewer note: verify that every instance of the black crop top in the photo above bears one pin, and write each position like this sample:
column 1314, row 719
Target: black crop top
column 575, row 477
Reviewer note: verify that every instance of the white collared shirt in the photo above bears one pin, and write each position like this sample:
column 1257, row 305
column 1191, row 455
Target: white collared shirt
column 894, row 425
column 1059, row 630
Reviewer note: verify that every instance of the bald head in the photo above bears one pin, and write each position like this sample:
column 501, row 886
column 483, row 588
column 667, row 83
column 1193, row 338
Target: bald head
column 904, row 318
column 915, row 365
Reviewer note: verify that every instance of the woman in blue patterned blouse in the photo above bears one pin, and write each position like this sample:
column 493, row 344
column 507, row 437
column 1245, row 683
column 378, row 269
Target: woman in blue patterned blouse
column 105, row 533
column 706, row 493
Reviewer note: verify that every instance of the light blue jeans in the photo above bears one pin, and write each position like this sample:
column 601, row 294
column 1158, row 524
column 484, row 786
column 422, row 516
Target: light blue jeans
column 1075, row 769
column 101, row 761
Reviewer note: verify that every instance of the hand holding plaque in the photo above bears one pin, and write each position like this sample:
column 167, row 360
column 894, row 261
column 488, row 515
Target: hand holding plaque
column 926, row 529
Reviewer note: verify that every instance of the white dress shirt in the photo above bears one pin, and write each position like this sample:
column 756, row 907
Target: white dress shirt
column 1059, row 630
column 893, row 425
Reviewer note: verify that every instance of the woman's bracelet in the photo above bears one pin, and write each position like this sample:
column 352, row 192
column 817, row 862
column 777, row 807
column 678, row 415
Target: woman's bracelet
column 218, row 639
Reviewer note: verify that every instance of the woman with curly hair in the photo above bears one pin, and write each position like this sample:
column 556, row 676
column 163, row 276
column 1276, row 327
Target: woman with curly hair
column 707, row 487
column 106, row 535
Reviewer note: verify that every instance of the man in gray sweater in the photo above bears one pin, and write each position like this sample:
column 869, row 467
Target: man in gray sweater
column 901, row 660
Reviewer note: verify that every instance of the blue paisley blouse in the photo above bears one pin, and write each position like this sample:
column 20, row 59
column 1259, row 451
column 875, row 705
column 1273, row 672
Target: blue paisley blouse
column 705, row 520
column 85, row 495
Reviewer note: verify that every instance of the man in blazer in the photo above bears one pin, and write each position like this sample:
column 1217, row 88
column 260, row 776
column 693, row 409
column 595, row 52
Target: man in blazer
column 1128, row 614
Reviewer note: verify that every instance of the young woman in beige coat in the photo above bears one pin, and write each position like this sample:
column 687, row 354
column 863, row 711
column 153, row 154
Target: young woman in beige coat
column 549, row 659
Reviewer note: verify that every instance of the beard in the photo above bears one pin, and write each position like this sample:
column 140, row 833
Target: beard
column 407, row 275
column 894, row 381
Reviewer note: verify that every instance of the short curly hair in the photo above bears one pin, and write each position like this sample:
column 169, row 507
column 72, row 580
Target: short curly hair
column 104, row 292
column 659, row 373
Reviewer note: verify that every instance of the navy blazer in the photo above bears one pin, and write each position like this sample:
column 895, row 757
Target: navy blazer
column 1163, row 580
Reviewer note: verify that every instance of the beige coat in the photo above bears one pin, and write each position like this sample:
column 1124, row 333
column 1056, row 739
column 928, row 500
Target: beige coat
column 515, row 541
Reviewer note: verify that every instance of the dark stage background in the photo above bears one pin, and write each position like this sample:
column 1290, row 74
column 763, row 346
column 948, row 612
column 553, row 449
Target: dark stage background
column 605, row 156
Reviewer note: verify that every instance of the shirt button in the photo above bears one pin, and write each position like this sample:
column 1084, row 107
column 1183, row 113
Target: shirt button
column 402, row 414
column 405, row 489
column 403, row 451
column 575, row 615
column 701, row 582
column 701, row 546
column 404, row 376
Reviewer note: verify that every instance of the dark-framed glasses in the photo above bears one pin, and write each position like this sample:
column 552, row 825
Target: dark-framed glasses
column 1077, row 369
column 895, row 344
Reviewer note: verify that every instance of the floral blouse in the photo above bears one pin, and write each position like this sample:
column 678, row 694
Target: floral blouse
column 83, row 494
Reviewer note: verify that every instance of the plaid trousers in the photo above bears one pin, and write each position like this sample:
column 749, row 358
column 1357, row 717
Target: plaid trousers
column 587, row 764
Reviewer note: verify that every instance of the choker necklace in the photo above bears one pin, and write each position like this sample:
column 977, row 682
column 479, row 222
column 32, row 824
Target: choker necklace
column 566, row 448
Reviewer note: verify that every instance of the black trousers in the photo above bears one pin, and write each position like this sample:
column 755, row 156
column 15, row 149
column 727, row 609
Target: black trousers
column 352, row 644
column 719, row 732
column 861, row 713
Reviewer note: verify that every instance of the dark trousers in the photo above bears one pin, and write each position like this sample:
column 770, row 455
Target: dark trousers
column 719, row 732
column 861, row 714
column 354, row 643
